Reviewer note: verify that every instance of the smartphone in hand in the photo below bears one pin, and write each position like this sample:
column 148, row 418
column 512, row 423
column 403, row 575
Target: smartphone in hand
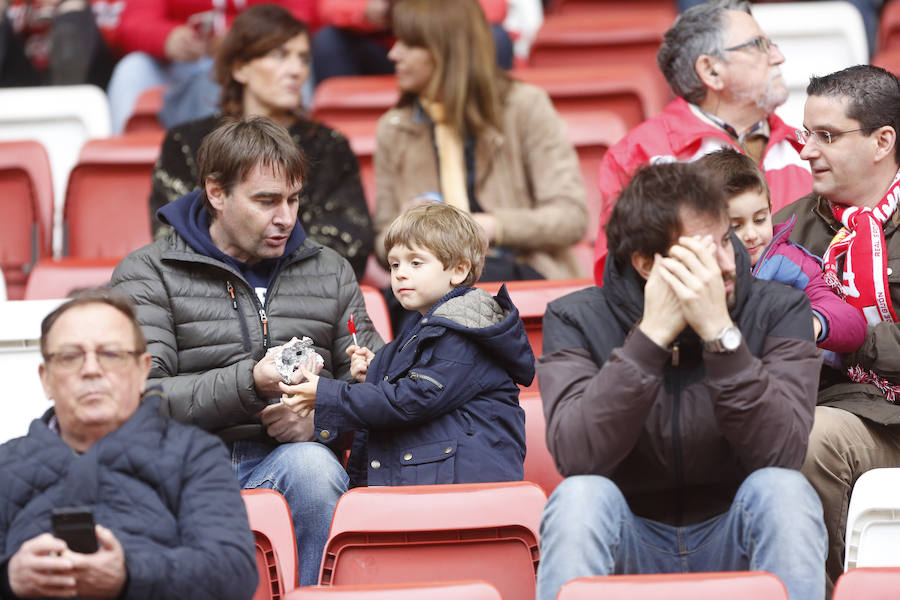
column 75, row 526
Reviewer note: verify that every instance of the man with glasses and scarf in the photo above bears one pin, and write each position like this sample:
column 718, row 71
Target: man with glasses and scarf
column 850, row 219
column 726, row 76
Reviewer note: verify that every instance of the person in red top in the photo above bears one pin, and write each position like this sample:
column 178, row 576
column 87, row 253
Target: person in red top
column 171, row 42
column 355, row 37
column 726, row 76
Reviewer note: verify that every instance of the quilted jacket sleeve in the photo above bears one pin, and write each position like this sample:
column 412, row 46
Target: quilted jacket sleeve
column 213, row 399
column 214, row 557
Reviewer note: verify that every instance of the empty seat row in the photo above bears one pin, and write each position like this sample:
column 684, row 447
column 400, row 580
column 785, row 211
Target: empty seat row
column 392, row 540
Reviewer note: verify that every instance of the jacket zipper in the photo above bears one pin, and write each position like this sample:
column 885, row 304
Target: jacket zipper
column 402, row 348
column 676, row 449
column 245, row 333
column 414, row 376
column 265, row 325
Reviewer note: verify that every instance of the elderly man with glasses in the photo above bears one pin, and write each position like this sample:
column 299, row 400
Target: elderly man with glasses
column 849, row 133
column 726, row 76
column 159, row 509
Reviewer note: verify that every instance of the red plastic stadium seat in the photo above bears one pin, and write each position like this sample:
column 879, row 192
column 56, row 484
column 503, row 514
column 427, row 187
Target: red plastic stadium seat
column 868, row 584
column 143, row 116
column 539, row 465
column 57, row 278
column 107, row 212
column 608, row 37
column 408, row 534
column 361, row 136
column 468, row 590
column 741, row 585
column 635, row 92
column 276, row 548
column 592, row 133
column 339, row 100
column 26, row 211
column 565, row 7
column 888, row 59
column 378, row 312
column 889, row 27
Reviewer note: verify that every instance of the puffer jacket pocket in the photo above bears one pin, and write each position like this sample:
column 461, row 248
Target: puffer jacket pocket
column 428, row 463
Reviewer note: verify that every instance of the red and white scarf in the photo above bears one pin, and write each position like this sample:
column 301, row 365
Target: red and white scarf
column 865, row 279
column 861, row 239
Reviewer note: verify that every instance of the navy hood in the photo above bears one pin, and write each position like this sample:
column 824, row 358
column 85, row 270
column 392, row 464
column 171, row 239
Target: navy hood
column 492, row 323
column 189, row 218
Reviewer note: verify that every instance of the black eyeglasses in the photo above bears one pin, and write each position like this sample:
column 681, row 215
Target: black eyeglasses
column 762, row 43
column 821, row 135
column 72, row 360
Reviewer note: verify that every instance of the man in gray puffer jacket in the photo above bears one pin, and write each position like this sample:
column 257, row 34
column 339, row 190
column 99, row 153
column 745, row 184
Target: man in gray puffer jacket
column 236, row 278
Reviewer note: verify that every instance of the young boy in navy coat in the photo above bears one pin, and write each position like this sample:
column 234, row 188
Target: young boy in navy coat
column 440, row 404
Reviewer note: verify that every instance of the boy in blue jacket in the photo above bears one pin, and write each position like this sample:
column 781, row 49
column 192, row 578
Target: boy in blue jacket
column 439, row 404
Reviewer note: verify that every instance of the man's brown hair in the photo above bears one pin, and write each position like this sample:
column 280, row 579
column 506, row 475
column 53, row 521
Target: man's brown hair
column 450, row 234
column 232, row 150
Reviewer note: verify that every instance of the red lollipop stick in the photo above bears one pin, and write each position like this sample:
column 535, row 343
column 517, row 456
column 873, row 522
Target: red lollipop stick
column 351, row 326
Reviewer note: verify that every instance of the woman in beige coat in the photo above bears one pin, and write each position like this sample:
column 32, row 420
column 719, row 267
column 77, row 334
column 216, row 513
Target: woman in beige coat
column 465, row 133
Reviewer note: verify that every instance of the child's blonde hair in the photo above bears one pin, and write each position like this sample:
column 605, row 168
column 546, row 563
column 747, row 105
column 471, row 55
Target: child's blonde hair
column 447, row 232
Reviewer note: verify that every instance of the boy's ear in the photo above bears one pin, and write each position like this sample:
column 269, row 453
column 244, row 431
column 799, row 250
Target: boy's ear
column 460, row 272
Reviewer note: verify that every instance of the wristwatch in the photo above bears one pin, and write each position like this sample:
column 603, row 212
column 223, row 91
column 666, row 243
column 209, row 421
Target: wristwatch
column 728, row 340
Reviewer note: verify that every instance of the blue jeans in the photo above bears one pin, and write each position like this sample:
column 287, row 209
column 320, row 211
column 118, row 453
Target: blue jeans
column 309, row 477
column 191, row 93
column 774, row 524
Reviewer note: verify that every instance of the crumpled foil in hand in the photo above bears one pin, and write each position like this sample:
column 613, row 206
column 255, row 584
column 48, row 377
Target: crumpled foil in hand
column 290, row 356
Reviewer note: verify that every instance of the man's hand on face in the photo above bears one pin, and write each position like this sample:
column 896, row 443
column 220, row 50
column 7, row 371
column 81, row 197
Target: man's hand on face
column 663, row 319
column 42, row 567
column 286, row 426
column 101, row 574
column 693, row 273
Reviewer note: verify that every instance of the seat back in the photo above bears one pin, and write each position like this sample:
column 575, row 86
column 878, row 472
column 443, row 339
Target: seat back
column 143, row 115
column 57, row 278
column 751, row 585
column 539, row 465
column 408, row 534
column 470, row 590
column 377, row 309
column 276, row 547
column 889, row 27
column 873, row 520
column 888, row 59
column 341, row 100
column 621, row 36
column 20, row 355
column 867, row 584
column 111, row 184
column 61, row 118
column 26, row 211
column 635, row 92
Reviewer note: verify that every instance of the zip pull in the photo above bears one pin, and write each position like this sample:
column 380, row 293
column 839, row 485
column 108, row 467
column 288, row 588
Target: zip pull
column 675, row 354
column 230, row 289
column 265, row 324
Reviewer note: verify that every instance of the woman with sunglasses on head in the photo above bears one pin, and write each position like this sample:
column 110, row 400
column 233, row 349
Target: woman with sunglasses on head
column 466, row 134
column 262, row 65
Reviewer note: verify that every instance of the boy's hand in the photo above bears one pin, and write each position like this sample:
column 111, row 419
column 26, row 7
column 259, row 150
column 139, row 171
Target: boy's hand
column 360, row 357
column 301, row 398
